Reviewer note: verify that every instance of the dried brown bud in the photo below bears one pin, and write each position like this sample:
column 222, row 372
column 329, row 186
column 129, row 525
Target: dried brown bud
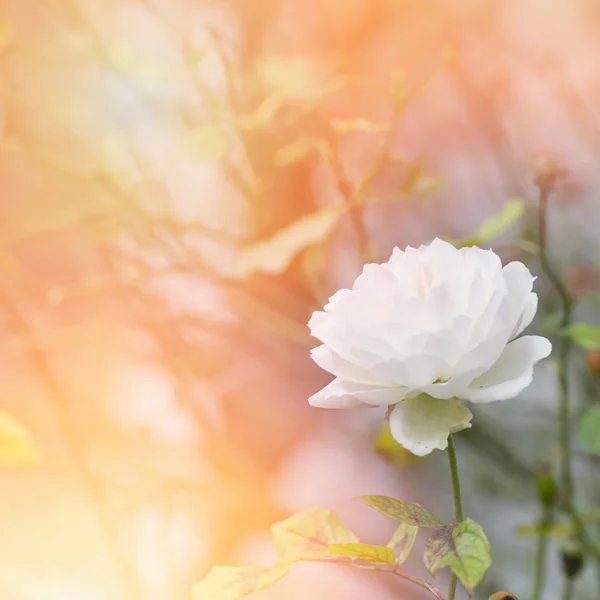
column 547, row 171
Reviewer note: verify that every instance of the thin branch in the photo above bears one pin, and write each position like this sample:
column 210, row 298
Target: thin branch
column 93, row 487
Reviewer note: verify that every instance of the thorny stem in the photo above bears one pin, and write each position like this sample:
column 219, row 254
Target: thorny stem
column 566, row 477
column 458, row 511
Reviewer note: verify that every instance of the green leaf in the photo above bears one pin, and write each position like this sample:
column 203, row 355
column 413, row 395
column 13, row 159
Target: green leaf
column 17, row 446
column 308, row 534
column 274, row 255
column 494, row 226
column 589, row 430
column 464, row 548
column 405, row 512
column 585, row 335
column 233, row 583
column 402, row 541
column 374, row 554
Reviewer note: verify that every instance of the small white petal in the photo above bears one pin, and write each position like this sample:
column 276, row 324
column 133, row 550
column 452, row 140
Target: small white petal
column 328, row 360
column 346, row 394
column 528, row 313
column 519, row 283
column 513, row 371
column 422, row 424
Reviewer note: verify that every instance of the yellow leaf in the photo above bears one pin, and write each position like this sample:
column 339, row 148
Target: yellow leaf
column 7, row 32
column 308, row 534
column 402, row 541
column 17, row 446
column 360, row 124
column 290, row 76
column 206, row 143
column 373, row 554
column 302, row 148
column 274, row 255
column 234, row 583
column 123, row 58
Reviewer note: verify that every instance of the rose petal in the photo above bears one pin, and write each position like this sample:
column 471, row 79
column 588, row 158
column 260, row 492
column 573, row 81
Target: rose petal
column 413, row 371
column 512, row 373
column 519, row 283
column 328, row 360
column 528, row 313
column 455, row 386
column 347, row 394
column 423, row 423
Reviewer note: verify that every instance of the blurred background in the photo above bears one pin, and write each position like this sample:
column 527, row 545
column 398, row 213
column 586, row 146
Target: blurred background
column 182, row 183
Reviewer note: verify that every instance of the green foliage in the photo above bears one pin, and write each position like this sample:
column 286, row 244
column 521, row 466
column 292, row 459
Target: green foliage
column 547, row 489
column 402, row 541
column 585, row 335
column 464, row 548
column 589, row 430
column 307, row 535
column 559, row 530
column 404, row 512
column 372, row 554
column 318, row 535
column 234, row 583
column 498, row 224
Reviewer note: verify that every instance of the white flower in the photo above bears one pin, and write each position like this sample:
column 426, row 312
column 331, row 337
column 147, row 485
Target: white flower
column 423, row 333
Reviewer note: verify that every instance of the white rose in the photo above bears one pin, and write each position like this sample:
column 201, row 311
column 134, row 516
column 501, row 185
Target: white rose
column 423, row 333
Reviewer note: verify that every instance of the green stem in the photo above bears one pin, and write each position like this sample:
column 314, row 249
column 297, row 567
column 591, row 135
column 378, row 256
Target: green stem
column 566, row 476
column 458, row 510
column 568, row 589
column 540, row 562
column 565, row 346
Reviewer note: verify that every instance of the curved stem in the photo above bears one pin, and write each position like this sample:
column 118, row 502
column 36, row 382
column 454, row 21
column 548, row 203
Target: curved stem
column 458, row 510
